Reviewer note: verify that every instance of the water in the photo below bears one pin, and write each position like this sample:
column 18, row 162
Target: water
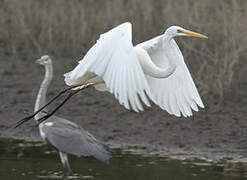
column 21, row 160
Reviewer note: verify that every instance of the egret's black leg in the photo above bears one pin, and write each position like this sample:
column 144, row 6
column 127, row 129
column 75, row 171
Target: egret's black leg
column 32, row 115
column 63, row 102
column 53, row 99
column 58, row 107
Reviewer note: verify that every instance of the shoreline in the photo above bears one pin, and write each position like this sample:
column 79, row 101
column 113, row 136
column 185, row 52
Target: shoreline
column 215, row 131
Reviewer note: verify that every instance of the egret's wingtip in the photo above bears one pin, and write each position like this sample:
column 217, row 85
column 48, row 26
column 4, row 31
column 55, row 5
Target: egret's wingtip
column 201, row 106
column 177, row 115
column 126, row 25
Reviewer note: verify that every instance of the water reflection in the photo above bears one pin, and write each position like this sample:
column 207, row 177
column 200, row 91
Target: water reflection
column 21, row 160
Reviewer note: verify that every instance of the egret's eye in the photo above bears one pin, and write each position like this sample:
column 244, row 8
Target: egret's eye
column 179, row 31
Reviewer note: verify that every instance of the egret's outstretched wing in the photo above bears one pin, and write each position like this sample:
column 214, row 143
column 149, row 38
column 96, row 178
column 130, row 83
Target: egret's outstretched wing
column 67, row 137
column 113, row 59
column 176, row 94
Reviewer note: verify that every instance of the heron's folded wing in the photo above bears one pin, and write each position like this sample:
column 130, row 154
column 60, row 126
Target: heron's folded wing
column 113, row 59
column 74, row 140
column 176, row 94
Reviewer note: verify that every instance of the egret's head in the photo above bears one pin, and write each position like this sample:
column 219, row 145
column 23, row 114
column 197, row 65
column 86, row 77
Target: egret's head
column 179, row 31
column 44, row 60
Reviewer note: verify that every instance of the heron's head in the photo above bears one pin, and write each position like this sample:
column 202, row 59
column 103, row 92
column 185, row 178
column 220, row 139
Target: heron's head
column 179, row 31
column 44, row 60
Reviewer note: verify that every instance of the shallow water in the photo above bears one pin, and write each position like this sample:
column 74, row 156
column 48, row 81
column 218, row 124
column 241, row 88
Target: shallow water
column 21, row 160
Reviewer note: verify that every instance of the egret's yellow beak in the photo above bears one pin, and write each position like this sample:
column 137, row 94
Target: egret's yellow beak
column 194, row 34
column 38, row 61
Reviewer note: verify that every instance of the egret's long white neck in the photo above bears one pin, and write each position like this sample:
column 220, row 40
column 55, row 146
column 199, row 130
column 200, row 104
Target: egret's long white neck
column 165, row 46
column 168, row 48
column 41, row 97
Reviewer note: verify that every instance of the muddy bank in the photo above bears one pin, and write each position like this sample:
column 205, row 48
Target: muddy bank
column 214, row 131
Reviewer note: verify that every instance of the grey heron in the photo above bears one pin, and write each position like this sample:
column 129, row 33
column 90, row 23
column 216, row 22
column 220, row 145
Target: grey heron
column 64, row 136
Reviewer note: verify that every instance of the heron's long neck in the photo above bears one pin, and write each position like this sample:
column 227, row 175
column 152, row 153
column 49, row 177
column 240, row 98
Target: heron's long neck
column 41, row 98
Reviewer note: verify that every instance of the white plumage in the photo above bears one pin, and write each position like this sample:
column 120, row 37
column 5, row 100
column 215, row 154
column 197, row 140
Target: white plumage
column 177, row 93
column 154, row 69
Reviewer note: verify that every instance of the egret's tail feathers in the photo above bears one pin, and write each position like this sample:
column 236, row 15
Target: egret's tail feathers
column 72, row 78
column 101, row 87
column 69, row 80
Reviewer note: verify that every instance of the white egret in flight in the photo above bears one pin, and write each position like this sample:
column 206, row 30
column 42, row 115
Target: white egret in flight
column 154, row 69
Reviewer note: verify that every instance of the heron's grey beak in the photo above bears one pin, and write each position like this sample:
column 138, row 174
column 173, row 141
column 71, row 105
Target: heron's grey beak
column 38, row 61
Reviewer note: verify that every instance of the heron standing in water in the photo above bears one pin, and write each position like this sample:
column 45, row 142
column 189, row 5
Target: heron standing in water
column 64, row 136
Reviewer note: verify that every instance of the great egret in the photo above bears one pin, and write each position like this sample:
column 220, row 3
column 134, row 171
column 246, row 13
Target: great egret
column 153, row 69
column 65, row 136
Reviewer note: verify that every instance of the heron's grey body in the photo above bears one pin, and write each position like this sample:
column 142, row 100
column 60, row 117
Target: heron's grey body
column 63, row 135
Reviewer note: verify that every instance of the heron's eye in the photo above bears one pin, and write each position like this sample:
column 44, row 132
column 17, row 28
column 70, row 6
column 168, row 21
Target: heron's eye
column 179, row 31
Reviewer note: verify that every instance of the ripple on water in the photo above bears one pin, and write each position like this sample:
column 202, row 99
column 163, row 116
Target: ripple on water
column 59, row 175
